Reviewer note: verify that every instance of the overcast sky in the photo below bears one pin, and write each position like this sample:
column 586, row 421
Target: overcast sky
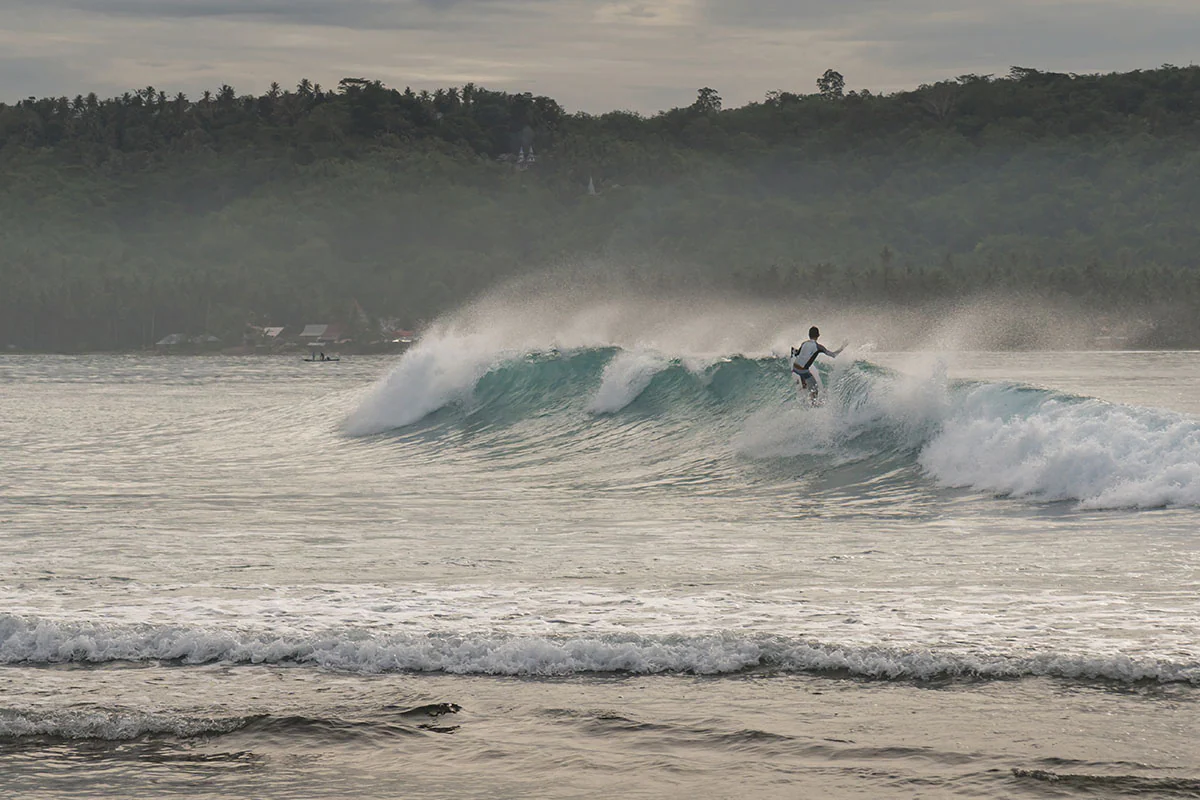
column 590, row 55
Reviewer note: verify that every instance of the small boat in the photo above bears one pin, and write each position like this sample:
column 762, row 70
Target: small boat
column 315, row 353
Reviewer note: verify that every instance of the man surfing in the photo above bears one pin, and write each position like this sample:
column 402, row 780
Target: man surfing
column 802, row 361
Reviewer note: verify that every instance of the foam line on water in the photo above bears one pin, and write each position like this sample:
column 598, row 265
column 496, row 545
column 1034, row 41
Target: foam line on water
column 715, row 653
column 109, row 724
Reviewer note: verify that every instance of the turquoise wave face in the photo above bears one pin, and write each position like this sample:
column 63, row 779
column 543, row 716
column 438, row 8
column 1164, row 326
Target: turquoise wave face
column 603, row 381
column 733, row 423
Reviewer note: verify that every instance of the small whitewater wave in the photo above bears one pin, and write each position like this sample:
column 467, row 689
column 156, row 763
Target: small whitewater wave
column 127, row 724
column 1051, row 447
column 715, row 653
column 1122, row 785
column 110, row 724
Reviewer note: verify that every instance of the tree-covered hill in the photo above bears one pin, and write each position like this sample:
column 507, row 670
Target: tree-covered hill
column 127, row 218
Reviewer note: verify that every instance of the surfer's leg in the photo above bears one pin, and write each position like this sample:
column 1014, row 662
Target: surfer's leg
column 814, row 387
column 808, row 385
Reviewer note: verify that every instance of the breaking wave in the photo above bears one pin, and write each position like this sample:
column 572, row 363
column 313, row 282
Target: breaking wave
column 998, row 438
column 716, row 653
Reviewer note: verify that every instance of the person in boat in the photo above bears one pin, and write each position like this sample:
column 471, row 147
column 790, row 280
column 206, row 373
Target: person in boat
column 802, row 361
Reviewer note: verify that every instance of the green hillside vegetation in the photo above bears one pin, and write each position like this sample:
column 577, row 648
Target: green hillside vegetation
column 128, row 218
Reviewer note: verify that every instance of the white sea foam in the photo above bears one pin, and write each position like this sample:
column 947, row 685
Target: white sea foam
column 500, row 654
column 625, row 377
column 108, row 724
column 902, row 409
column 995, row 437
column 1052, row 448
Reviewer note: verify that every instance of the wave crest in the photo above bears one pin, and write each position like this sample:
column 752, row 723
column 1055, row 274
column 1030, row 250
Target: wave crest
column 999, row 438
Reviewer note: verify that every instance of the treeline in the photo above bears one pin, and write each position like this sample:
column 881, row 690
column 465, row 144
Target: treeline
column 125, row 219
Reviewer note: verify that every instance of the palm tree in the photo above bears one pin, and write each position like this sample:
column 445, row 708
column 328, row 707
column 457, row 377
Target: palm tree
column 149, row 94
column 179, row 108
column 206, row 105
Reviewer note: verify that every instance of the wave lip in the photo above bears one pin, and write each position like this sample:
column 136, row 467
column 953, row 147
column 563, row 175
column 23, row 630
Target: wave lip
column 714, row 653
column 625, row 377
column 428, row 377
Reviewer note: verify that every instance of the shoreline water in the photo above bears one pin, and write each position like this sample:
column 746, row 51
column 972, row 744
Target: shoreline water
column 285, row 732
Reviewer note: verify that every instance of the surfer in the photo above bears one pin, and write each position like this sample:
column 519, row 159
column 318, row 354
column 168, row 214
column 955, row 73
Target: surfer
column 802, row 361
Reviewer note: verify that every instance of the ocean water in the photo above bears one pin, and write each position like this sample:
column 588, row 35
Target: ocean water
column 598, row 570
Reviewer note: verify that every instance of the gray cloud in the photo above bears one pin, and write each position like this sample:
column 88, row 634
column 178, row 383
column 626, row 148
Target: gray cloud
column 351, row 14
column 1065, row 38
column 594, row 55
column 895, row 44
column 36, row 76
column 814, row 14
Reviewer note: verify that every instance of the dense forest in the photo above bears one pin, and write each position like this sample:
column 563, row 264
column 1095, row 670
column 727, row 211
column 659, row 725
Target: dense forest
column 128, row 218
